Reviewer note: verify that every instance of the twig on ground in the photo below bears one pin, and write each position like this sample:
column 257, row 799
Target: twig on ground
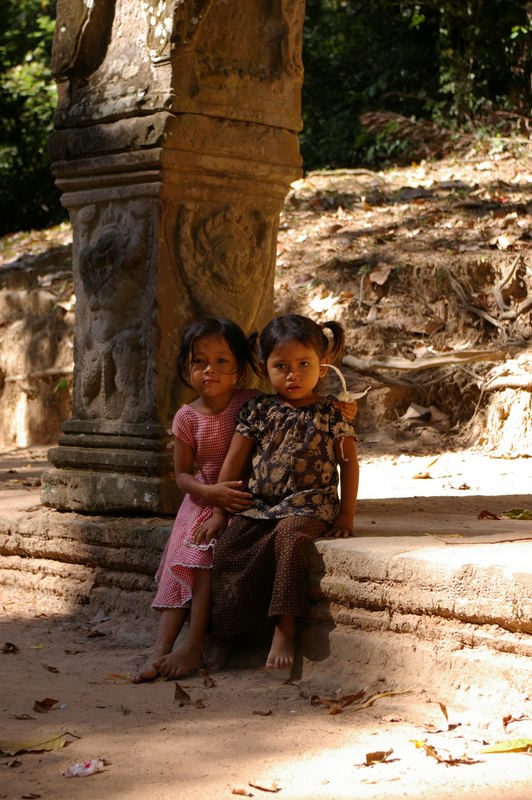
column 443, row 359
column 512, row 381
column 497, row 290
column 465, row 300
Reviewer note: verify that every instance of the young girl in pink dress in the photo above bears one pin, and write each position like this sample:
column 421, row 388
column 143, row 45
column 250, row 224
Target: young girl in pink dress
column 214, row 355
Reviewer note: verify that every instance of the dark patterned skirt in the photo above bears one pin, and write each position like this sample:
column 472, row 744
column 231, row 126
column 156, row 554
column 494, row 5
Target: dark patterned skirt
column 261, row 570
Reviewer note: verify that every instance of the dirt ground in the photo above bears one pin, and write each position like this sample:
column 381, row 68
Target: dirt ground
column 248, row 726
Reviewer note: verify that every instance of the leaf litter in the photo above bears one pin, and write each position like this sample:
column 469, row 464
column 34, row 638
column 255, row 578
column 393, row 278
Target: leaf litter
column 43, row 706
column 447, row 759
column 51, row 741
column 337, row 705
column 510, row 746
column 263, row 786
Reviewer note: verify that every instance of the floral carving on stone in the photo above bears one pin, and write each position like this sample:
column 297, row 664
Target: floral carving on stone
column 226, row 261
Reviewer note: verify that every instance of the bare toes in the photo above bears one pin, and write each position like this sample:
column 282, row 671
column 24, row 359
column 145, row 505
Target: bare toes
column 148, row 673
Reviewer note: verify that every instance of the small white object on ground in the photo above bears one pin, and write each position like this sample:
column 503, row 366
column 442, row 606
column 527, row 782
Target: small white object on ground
column 82, row 768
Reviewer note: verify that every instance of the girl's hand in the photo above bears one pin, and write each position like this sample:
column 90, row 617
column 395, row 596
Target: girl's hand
column 342, row 528
column 229, row 496
column 210, row 529
column 349, row 410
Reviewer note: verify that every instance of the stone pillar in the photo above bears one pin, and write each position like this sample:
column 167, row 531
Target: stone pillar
column 175, row 143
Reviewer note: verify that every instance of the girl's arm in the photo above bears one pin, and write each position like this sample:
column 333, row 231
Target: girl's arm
column 349, row 409
column 346, row 454
column 227, row 495
column 237, row 460
column 236, row 464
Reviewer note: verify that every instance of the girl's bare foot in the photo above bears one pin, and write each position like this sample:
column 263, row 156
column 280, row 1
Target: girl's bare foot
column 219, row 654
column 149, row 671
column 186, row 658
column 281, row 655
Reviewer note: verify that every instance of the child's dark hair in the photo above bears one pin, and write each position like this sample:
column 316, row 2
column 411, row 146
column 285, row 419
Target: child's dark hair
column 214, row 326
column 295, row 327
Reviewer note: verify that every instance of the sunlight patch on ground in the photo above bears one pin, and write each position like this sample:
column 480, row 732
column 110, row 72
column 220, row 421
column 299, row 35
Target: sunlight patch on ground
column 462, row 473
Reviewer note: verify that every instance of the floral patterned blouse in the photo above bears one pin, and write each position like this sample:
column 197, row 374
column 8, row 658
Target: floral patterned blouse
column 294, row 466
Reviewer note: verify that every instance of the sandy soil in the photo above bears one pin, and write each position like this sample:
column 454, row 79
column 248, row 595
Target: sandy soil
column 246, row 727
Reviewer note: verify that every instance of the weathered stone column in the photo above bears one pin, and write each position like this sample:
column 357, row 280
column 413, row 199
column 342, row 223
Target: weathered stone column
column 174, row 147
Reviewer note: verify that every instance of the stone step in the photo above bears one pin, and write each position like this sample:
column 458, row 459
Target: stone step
column 456, row 604
column 425, row 588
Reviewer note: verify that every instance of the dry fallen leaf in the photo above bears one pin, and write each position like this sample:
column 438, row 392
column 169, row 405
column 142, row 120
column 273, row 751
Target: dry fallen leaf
column 42, row 706
column 380, row 274
column 118, row 677
column 510, row 718
column 378, row 696
column 509, row 746
column 378, row 756
column 54, row 741
column 50, row 669
column 431, row 728
column 273, row 786
column 207, row 680
column 180, row 696
column 242, row 792
column 447, row 759
column 336, row 704
column 94, row 633
column 263, row 713
column 485, row 514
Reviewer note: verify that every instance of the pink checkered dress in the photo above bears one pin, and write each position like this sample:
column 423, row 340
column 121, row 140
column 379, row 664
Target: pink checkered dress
column 209, row 438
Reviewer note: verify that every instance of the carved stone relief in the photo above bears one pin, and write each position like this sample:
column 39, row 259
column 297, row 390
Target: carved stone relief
column 81, row 36
column 159, row 21
column 243, row 62
column 225, row 261
column 113, row 254
column 293, row 13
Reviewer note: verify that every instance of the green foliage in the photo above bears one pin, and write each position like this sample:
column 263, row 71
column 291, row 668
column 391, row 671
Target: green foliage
column 60, row 385
column 28, row 197
column 451, row 62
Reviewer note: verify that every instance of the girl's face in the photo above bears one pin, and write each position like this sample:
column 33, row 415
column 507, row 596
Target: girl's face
column 294, row 370
column 213, row 370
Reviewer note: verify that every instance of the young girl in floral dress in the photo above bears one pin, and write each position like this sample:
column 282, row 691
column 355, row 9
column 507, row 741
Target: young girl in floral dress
column 214, row 355
column 293, row 441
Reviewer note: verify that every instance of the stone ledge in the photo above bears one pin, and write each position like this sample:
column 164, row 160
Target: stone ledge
column 402, row 602
column 482, row 583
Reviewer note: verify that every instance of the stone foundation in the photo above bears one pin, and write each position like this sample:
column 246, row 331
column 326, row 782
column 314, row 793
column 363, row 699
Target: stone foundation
column 398, row 605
